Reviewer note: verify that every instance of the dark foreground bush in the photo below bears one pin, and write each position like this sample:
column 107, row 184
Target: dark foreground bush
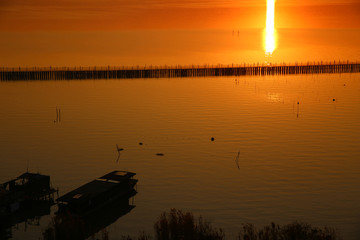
column 66, row 227
column 293, row 231
column 177, row 225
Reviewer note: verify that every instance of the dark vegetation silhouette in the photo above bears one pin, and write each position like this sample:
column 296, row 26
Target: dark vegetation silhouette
column 66, row 226
column 292, row 231
column 179, row 225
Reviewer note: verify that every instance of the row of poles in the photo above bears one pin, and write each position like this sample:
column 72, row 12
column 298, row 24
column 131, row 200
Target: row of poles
column 8, row 74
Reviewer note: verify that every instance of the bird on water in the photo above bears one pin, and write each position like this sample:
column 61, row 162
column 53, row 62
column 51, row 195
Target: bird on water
column 119, row 149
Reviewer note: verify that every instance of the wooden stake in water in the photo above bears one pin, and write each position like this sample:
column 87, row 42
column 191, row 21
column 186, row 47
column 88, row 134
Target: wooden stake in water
column 237, row 160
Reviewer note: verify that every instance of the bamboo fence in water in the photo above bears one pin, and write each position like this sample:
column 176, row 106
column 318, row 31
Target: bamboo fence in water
column 69, row 73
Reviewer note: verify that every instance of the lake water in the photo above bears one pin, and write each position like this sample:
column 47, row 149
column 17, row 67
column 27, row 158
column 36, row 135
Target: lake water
column 297, row 161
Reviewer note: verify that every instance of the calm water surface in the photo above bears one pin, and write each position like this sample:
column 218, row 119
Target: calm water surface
column 297, row 161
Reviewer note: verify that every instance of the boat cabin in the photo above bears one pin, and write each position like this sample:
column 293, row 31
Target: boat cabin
column 116, row 184
column 30, row 182
column 21, row 191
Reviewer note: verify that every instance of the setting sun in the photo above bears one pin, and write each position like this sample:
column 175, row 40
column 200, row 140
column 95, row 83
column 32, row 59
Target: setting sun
column 270, row 33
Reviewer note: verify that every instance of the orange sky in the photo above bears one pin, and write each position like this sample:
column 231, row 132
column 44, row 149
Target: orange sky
column 160, row 32
column 67, row 15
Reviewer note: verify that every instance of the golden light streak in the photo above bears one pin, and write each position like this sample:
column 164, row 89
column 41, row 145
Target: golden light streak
column 270, row 32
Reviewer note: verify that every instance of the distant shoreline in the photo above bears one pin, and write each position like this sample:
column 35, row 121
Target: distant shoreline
column 79, row 73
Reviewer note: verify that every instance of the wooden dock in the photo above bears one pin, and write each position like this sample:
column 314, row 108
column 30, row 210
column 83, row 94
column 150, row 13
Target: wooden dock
column 67, row 73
